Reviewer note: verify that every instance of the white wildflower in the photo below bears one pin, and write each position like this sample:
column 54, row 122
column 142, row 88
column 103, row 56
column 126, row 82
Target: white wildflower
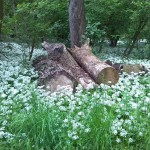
column 123, row 133
column 62, row 108
column 127, row 113
column 4, row 123
column 147, row 100
column 119, row 99
column 118, row 140
column 3, row 95
column 140, row 134
column 130, row 140
column 115, row 132
column 90, row 86
column 81, row 113
column 2, row 133
column 69, row 134
column 131, row 117
column 79, row 87
column 75, row 125
column 75, row 137
column 14, row 91
column 134, row 105
column 144, row 108
column 65, row 120
column 28, row 108
column 87, row 130
column 128, row 122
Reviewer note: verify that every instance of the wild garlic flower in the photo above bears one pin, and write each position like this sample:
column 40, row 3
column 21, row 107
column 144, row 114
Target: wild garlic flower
column 123, row 133
column 131, row 140
column 118, row 140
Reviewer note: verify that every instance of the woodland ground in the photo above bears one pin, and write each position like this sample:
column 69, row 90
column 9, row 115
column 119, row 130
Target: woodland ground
column 103, row 118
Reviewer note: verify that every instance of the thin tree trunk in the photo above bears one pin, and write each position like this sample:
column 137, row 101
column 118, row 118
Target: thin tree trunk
column 1, row 17
column 76, row 21
column 113, row 41
column 32, row 49
column 14, row 6
column 135, row 38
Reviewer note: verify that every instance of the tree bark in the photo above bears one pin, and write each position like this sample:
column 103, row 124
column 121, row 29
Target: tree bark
column 60, row 68
column 59, row 61
column 135, row 37
column 32, row 49
column 1, row 16
column 113, row 41
column 98, row 70
column 51, row 75
column 76, row 21
column 128, row 68
column 134, row 68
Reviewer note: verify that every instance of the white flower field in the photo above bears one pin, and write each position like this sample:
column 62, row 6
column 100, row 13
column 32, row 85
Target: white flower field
column 103, row 118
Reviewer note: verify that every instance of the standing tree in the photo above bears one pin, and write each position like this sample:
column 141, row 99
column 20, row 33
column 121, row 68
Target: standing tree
column 112, row 16
column 36, row 20
column 77, row 21
column 135, row 38
column 140, row 19
column 1, row 17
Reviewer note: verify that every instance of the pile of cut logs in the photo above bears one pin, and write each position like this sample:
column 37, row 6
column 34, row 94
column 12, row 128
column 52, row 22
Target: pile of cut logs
column 69, row 67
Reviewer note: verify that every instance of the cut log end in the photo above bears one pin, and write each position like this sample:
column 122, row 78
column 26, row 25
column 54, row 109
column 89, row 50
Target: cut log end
column 97, row 69
column 60, row 81
column 108, row 76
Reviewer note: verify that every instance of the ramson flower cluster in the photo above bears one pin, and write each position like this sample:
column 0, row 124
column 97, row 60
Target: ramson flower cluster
column 128, row 101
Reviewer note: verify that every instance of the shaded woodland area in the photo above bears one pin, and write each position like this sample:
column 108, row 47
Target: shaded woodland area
column 34, row 21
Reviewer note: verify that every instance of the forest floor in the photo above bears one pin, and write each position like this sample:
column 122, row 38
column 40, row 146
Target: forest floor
column 102, row 118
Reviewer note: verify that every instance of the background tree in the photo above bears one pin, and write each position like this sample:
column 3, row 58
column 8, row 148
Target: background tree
column 30, row 21
column 112, row 15
column 34, row 21
column 1, row 17
column 139, row 20
column 76, row 21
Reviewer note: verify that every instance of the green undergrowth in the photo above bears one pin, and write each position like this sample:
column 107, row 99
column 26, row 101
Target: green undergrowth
column 102, row 118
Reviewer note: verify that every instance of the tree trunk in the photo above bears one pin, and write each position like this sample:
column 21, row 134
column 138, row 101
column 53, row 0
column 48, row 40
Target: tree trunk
column 135, row 37
column 98, row 70
column 59, row 81
column 76, row 21
column 51, row 75
column 32, row 49
column 14, row 6
column 59, row 61
column 113, row 41
column 128, row 68
column 1, row 17
column 134, row 68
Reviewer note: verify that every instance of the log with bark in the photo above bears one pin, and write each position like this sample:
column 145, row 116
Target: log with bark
column 59, row 62
column 68, row 68
column 100, row 71
column 52, row 75
column 128, row 68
